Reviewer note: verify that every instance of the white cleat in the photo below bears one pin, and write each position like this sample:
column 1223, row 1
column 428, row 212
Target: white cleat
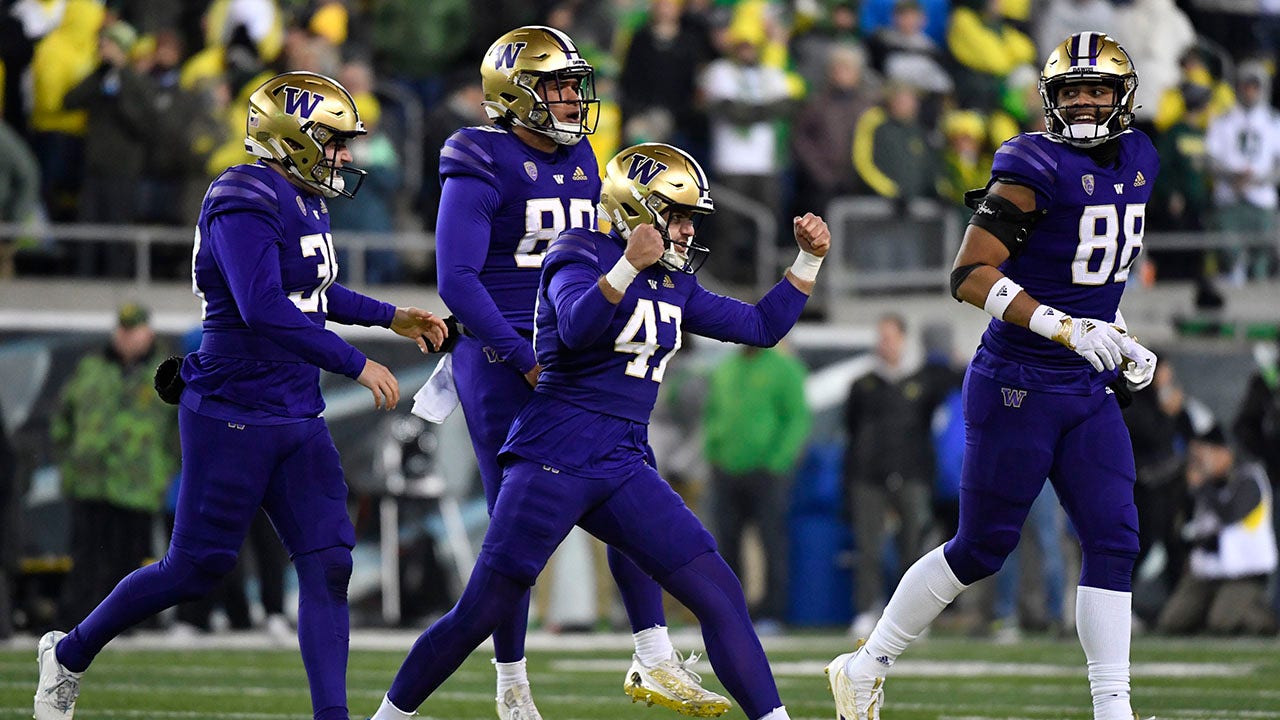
column 59, row 687
column 855, row 699
column 517, row 704
column 673, row 684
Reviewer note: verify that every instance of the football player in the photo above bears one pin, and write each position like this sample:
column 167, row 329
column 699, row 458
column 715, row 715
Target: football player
column 1047, row 252
column 250, row 417
column 508, row 189
column 611, row 310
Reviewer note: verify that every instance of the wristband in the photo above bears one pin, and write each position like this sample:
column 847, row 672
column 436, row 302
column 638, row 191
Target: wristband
column 620, row 277
column 1050, row 323
column 1000, row 296
column 806, row 266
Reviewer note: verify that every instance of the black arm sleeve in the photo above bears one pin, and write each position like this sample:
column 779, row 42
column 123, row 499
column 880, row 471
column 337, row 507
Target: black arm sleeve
column 1001, row 218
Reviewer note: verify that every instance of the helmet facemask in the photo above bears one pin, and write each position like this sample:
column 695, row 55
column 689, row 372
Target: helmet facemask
column 543, row 120
column 685, row 256
column 1109, row 120
column 327, row 177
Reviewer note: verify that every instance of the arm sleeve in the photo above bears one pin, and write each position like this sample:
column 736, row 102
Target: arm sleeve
column 349, row 307
column 725, row 318
column 582, row 311
column 244, row 246
column 467, row 207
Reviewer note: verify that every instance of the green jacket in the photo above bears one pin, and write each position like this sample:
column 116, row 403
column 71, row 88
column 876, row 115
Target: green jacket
column 115, row 439
column 756, row 417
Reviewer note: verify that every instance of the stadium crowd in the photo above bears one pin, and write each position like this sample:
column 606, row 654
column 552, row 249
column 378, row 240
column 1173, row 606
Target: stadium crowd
column 123, row 111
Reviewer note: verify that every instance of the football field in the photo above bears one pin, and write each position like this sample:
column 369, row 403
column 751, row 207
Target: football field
column 579, row 677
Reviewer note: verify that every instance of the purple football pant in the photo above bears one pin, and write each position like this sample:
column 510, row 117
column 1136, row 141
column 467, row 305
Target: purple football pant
column 642, row 516
column 491, row 393
column 228, row 472
column 1014, row 440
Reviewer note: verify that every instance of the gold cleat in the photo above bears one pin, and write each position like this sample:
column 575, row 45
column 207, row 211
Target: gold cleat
column 855, row 700
column 673, row 684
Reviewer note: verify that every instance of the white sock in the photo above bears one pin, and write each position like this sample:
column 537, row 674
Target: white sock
column 653, row 645
column 1103, row 619
column 926, row 589
column 390, row 712
column 510, row 675
column 778, row 713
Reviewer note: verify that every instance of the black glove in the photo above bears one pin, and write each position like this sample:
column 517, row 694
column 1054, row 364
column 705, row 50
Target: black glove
column 168, row 381
column 1124, row 395
column 450, row 322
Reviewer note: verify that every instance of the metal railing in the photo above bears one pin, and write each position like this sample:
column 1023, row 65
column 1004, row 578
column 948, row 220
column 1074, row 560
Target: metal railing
column 877, row 247
column 143, row 238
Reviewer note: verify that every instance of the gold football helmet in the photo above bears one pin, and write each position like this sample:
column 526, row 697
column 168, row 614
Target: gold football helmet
column 292, row 117
column 515, row 66
column 644, row 184
column 1088, row 57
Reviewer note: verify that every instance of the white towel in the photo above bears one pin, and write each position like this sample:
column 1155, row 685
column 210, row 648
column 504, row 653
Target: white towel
column 438, row 396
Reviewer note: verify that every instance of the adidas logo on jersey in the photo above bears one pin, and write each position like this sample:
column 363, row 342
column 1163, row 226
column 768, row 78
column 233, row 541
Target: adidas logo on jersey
column 666, row 282
column 578, row 174
column 1140, row 180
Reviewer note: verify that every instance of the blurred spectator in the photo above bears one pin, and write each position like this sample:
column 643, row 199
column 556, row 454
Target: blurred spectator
column 744, row 97
column 1181, row 194
column 1060, row 19
column 1194, row 72
column 591, row 24
column 19, row 192
column 904, row 53
column 834, row 22
column 167, row 160
column 374, row 209
column 966, row 162
column 1257, row 425
column 118, row 102
column 891, row 149
column 1155, row 34
column 63, row 58
column 1233, row 547
column 1159, row 427
column 419, row 42
column 460, row 108
column 822, row 136
column 1243, row 148
column 117, row 447
column 659, row 76
column 22, row 24
column 888, row 466
column 878, row 14
column 9, row 539
column 987, row 47
column 756, row 423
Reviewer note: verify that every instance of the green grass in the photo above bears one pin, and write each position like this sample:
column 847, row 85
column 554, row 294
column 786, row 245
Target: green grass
column 941, row 678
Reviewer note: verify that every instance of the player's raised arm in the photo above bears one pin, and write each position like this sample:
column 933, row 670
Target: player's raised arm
column 814, row 238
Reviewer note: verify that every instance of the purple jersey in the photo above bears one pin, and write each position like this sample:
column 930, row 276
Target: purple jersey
column 1077, row 258
column 264, row 269
column 600, row 359
column 531, row 197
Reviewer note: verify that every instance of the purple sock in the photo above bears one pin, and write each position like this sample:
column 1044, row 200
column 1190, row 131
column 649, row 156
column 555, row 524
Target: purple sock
column 508, row 637
column 641, row 594
column 710, row 589
column 488, row 598
column 324, row 627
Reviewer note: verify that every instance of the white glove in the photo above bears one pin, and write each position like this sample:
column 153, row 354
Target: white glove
column 1094, row 340
column 1138, row 363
